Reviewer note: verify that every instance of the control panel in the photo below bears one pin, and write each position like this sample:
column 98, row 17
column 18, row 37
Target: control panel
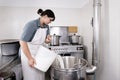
column 67, row 48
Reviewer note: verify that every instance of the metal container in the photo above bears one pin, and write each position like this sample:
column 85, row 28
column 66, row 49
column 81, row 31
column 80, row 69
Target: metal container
column 9, row 47
column 74, row 39
column 55, row 40
column 74, row 69
column 80, row 40
column 69, row 61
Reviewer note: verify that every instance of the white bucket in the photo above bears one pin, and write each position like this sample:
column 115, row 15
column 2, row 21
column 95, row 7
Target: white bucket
column 44, row 58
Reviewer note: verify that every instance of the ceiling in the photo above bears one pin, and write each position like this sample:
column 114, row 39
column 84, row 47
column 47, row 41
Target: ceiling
column 45, row 3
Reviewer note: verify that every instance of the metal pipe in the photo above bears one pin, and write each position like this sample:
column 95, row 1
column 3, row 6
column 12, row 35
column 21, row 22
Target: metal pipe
column 96, row 31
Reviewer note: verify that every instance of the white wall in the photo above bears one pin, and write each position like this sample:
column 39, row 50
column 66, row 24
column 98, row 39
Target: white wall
column 12, row 19
column 45, row 3
column 114, row 22
column 110, row 41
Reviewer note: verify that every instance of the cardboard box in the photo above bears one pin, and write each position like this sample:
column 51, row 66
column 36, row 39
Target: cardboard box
column 72, row 29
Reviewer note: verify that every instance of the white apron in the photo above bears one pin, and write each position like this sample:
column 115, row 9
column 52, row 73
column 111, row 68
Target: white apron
column 28, row 72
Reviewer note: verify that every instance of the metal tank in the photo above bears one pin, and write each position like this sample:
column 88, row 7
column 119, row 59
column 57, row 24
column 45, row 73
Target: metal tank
column 74, row 69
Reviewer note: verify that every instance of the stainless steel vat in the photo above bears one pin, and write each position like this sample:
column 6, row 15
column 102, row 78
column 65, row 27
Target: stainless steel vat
column 75, row 69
